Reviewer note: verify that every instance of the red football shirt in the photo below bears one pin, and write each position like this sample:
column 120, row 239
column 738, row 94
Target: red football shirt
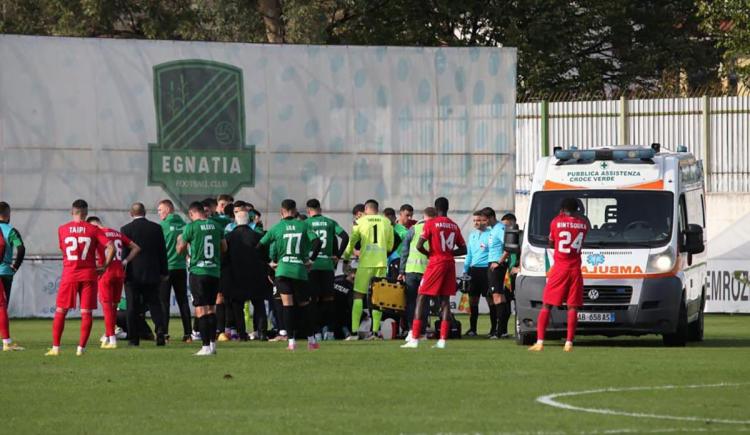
column 120, row 241
column 443, row 235
column 78, row 243
column 567, row 233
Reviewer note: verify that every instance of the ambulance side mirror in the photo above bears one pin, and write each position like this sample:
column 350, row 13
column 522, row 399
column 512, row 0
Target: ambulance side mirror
column 694, row 239
column 512, row 240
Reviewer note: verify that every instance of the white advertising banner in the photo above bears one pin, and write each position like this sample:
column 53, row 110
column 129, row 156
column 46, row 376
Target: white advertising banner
column 728, row 286
column 117, row 121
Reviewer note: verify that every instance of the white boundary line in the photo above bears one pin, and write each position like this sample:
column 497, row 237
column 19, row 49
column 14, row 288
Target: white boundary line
column 550, row 400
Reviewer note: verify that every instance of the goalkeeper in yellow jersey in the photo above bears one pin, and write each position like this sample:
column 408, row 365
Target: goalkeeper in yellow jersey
column 374, row 234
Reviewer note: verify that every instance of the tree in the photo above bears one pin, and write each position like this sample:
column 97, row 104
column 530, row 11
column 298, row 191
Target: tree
column 728, row 23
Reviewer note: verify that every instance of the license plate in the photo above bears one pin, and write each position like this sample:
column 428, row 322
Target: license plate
column 596, row 317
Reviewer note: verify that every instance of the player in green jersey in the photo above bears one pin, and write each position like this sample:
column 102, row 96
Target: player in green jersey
column 374, row 233
column 294, row 247
column 172, row 225
column 323, row 269
column 205, row 240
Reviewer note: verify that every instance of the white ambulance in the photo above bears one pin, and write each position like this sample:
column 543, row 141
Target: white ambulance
column 643, row 261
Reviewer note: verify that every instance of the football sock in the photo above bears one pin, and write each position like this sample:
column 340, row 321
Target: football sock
column 502, row 321
column 356, row 314
column 416, row 328
column 221, row 317
column 58, row 324
column 572, row 323
column 377, row 315
column 493, row 318
column 287, row 312
column 541, row 324
column 203, row 326
column 445, row 326
column 4, row 332
column 311, row 319
column 86, row 322
column 212, row 327
column 473, row 317
column 110, row 318
column 112, row 339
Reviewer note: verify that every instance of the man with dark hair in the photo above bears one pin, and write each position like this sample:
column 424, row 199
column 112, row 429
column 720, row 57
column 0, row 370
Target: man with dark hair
column 295, row 247
column 475, row 266
column 322, row 275
column 412, row 267
column 111, row 281
column 145, row 273
column 172, row 225
column 357, row 211
column 374, row 233
column 564, row 280
column 207, row 244
column 8, row 344
column 244, row 274
column 445, row 243
column 405, row 214
column 79, row 241
column 13, row 240
column 509, row 263
column 496, row 271
column 390, row 213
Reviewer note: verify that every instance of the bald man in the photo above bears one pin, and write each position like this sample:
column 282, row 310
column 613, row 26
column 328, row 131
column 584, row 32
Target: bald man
column 145, row 273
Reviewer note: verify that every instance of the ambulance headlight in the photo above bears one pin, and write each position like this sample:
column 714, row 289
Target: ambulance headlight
column 662, row 262
column 532, row 261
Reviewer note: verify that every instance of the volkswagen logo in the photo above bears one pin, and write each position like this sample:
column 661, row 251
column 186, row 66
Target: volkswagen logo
column 593, row 294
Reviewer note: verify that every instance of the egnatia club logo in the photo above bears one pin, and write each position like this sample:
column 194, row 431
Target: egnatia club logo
column 200, row 119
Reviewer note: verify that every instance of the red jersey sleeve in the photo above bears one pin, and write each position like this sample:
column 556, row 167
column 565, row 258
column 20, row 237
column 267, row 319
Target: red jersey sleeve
column 427, row 230
column 100, row 237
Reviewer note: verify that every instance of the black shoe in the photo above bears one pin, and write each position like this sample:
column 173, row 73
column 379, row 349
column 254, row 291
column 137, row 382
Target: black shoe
column 492, row 333
column 187, row 338
column 134, row 343
column 504, row 336
column 160, row 340
column 470, row 333
column 262, row 336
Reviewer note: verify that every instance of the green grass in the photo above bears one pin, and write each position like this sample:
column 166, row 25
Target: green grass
column 472, row 386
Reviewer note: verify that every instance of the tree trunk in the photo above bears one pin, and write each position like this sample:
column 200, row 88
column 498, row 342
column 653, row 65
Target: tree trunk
column 271, row 12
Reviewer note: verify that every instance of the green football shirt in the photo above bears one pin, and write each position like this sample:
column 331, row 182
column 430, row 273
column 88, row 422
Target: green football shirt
column 204, row 237
column 291, row 242
column 326, row 229
column 172, row 226
column 375, row 235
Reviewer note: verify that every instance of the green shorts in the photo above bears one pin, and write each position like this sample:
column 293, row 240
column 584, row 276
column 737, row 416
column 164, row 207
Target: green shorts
column 364, row 275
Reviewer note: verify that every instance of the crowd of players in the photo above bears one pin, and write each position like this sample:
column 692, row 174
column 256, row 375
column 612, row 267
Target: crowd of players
column 233, row 267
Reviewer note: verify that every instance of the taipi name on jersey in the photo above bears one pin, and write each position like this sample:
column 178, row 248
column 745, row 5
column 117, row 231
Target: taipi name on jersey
column 187, row 164
column 571, row 225
column 77, row 230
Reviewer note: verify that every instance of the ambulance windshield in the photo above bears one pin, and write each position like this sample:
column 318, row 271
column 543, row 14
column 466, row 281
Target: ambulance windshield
column 619, row 218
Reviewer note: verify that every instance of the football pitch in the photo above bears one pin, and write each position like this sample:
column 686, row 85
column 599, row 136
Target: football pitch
column 473, row 386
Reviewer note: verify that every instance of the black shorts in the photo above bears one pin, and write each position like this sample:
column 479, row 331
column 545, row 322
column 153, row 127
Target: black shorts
column 295, row 287
column 204, row 289
column 321, row 283
column 496, row 279
column 478, row 286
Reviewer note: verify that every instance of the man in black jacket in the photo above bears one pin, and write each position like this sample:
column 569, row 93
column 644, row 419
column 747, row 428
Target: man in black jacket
column 145, row 273
column 245, row 274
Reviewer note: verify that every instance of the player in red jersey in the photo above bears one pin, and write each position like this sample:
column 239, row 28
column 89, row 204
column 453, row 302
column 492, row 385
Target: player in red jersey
column 445, row 243
column 8, row 344
column 567, row 232
column 111, row 281
column 79, row 241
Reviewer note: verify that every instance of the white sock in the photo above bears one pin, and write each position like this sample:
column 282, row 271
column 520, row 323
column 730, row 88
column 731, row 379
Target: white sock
column 112, row 339
column 540, row 342
column 212, row 346
column 568, row 343
column 205, row 348
column 56, row 348
column 291, row 342
column 311, row 339
column 7, row 340
column 80, row 349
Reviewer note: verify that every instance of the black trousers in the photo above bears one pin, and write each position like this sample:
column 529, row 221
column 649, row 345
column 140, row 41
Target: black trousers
column 137, row 296
column 177, row 281
column 7, row 283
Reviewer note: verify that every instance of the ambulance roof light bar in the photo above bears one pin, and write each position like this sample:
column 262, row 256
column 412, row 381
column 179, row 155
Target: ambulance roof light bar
column 643, row 154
